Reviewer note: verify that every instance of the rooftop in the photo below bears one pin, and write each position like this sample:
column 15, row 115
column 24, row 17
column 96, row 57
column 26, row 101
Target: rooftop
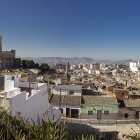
column 65, row 100
column 68, row 87
column 99, row 100
column 132, row 102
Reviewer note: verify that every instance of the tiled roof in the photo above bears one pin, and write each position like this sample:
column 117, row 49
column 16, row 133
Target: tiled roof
column 99, row 100
column 121, row 93
column 65, row 100
column 68, row 87
column 132, row 102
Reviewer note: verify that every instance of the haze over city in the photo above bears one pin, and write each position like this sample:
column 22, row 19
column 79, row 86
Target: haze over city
column 69, row 69
column 100, row 29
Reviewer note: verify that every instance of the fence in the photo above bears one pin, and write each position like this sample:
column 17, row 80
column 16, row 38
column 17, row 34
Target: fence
column 101, row 122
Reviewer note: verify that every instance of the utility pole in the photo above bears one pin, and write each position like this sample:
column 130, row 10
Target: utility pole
column 0, row 67
column 60, row 100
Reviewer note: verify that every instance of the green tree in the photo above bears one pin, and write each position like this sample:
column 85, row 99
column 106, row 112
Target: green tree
column 28, row 64
column 23, row 64
column 37, row 66
column 44, row 68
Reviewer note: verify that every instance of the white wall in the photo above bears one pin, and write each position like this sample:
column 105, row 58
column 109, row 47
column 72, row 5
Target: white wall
column 55, row 115
column 57, row 81
column 9, row 85
column 97, row 72
column 67, row 106
column 32, row 108
column 134, row 66
column 90, row 71
column 91, row 66
column 10, row 82
column 77, row 93
column 85, row 69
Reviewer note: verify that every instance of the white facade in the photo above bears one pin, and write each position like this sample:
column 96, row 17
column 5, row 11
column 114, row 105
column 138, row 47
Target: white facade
column 33, row 106
column 57, row 81
column 86, row 81
column 91, row 66
column 39, row 78
column 134, row 66
column 67, row 90
column 114, row 72
column 64, row 107
column 85, row 68
column 90, row 71
column 96, row 72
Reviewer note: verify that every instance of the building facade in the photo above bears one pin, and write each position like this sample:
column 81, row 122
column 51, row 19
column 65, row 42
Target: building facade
column 68, row 99
column 8, row 59
column 27, row 99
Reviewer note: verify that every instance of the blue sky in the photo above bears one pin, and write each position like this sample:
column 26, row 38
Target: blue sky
column 103, row 29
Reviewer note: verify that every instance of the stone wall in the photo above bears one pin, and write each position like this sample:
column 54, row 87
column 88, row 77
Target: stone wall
column 7, row 59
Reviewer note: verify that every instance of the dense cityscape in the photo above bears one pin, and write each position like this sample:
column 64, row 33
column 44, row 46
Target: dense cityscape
column 69, row 70
column 102, row 96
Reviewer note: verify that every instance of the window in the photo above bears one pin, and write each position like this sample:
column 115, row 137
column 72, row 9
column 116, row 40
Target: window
column 126, row 115
column 106, row 112
column 13, row 77
column 71, row 92
column 90, row 112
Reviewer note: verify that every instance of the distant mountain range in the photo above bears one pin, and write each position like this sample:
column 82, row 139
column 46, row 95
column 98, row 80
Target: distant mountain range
column 75, row 60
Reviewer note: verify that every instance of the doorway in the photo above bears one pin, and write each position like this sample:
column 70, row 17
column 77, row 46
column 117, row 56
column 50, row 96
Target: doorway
column 74, row 113
column 67, row 112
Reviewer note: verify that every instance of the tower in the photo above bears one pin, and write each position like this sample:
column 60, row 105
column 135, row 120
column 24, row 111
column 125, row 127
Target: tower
column 67, row 68
column 0, row 43
column 67, row 71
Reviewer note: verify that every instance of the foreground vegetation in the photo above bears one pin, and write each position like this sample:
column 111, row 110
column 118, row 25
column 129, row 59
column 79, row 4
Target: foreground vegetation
column 16, row 128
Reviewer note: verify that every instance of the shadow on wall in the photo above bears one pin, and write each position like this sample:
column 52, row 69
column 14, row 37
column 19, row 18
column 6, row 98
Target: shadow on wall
column 76, row 130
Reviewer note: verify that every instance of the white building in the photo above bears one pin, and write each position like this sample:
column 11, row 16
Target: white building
column 86, row 81
column 91, row 66
column 30, row 100
column 57, row 81
column 95, row 72
column 134, row 66
column 68, row 98
column 67, row 90
column 85, row 68
column 90, row 71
